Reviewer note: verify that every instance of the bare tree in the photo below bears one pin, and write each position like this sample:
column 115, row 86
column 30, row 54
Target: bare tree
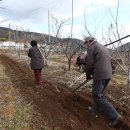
column 116, row 33
column 120, row 51
column 2, row 7
column 69, row 47
column 46, row 48
column 120, row 54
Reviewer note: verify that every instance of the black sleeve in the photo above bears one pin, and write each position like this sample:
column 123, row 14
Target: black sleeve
column 29, row 53
column 80, row 61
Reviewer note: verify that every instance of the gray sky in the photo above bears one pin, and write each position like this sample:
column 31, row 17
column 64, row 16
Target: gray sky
column 32, row 15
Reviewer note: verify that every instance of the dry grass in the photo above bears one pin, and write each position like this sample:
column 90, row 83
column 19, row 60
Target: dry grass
column 57, row 72
column 119, row 79
column 12, row 115
column 3, row 76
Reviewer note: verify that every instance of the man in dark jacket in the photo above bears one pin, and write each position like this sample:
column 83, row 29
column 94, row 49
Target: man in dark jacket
column 36, row 62
column 98, row 67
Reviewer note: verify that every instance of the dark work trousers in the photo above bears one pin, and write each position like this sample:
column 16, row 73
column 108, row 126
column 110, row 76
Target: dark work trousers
column 37, row 74
column 100, row 101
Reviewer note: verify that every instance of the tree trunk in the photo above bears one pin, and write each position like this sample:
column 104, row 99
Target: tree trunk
column 69, row 64
column 128, row 77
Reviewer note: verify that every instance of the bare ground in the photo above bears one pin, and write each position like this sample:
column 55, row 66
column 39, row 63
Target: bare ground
column 56, row 108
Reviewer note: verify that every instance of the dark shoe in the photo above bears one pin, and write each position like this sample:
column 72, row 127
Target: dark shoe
column 115, row 121
column 95, row 114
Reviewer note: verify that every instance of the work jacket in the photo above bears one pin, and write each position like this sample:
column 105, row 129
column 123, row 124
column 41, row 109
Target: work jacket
column 36, row 58
column 98, row 61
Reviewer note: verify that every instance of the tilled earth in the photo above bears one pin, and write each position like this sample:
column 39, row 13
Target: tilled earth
column 57, row 107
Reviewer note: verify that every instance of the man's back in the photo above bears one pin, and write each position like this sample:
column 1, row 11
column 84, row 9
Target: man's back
column 36, row 58
column 98, row 57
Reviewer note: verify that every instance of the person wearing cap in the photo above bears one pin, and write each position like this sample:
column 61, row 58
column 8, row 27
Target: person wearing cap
column 36, row 62
column 98, row 67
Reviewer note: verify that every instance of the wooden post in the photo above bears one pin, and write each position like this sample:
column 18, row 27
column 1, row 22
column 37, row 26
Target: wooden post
column 48, row 27
column 9, row 38
column 129, row 68
column 72, row 20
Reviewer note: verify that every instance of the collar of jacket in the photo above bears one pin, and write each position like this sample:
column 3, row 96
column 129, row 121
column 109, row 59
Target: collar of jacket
column 92, row 43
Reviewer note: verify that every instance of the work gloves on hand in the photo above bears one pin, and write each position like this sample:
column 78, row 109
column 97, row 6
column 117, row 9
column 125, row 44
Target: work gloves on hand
column 88, row 76
column 89, row 73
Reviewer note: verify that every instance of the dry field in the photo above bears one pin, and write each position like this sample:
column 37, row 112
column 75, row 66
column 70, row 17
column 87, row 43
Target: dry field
column 25, row 107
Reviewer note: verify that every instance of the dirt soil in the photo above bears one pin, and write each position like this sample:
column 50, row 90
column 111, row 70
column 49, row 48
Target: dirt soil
column 58, row 108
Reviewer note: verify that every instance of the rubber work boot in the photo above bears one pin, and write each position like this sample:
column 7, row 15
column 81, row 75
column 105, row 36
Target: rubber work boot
column 115, row 121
